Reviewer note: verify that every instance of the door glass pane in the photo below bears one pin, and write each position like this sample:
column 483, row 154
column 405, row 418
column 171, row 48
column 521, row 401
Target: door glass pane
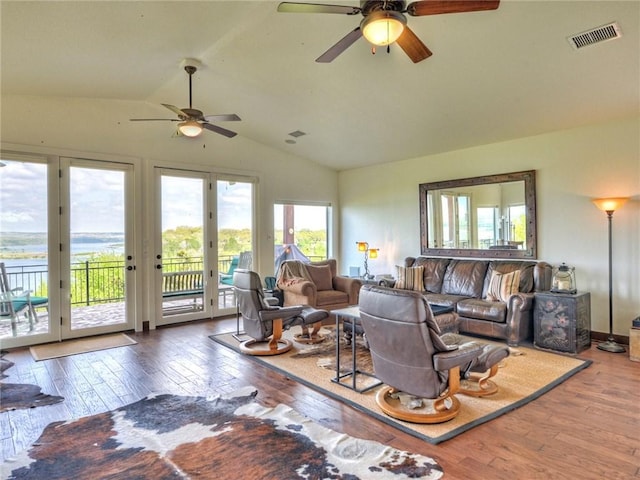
column 183, row 277
column 97, row 253
column 487, row 226
column 24, row 248
column 517, row 225
column 235, row 235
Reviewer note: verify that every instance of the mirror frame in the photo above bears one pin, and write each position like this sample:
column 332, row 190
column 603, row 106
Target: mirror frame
column 529, row 178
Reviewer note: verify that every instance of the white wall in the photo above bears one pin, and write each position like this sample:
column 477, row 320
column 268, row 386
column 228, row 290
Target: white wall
column 83, row 127
column 379, row 205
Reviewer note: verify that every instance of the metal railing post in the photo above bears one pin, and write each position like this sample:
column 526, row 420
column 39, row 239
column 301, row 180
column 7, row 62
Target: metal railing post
column 86, row 277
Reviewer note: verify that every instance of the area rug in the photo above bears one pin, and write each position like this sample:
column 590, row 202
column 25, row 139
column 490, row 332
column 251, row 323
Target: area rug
column 230, row 437
column 14, row 396
column 524, row 376
column 81, row 345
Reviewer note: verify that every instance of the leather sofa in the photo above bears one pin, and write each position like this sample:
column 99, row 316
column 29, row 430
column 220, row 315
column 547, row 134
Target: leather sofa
column 465, row 285
column 317, row 284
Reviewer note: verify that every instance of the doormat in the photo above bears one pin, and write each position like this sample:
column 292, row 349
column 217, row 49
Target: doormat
column 81, row 345
column 218, row 437
column 524, row 376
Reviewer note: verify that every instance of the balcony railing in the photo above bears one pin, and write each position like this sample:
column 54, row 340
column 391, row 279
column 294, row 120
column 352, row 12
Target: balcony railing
column 94, row 282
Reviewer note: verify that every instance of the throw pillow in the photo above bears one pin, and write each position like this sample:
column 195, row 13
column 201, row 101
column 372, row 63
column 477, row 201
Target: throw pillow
column 321, row 276
column 410, row 278
column 503, row 285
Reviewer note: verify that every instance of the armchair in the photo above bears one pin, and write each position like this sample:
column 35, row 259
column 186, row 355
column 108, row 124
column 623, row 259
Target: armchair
column 317, row 284
column 265, row 323
column 410, row 357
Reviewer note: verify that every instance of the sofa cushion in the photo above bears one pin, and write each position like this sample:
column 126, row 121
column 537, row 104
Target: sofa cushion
column 331, row 297
column 503, row 285
column 483, row 310
column 434, row 270
column 409, row 278
column 321, row 276
column 526, row 268
column 465, row 277
column 445, row 300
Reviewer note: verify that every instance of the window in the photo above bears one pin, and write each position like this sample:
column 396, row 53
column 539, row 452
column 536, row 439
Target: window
column 304, row 226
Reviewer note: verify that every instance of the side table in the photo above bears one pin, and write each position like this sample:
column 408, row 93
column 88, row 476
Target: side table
column 562, row 321
column 352, row 314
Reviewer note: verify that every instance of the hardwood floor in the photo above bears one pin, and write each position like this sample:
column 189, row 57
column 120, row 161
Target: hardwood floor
column 586, row 428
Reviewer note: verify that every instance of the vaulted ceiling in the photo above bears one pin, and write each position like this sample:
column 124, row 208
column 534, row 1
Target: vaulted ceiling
column 494, row 75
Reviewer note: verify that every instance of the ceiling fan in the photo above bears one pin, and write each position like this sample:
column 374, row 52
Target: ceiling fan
column 384, row 22
column 192, row 121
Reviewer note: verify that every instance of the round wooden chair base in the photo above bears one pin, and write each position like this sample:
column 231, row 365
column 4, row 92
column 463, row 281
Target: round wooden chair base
column 254, row 347
column 308, row 340
column 476, row 389
column 394, row 408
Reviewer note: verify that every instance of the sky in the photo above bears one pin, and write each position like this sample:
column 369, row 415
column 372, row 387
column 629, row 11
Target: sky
column 97, row 201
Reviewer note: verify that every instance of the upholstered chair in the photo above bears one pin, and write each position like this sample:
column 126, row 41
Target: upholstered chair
column 317, row 284
column 264, row 323
column 421, row 371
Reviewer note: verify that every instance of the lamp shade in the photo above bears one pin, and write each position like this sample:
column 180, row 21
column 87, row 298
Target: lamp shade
column 610, row 204
column 383, row 27
column 362, row 246
column 373, row 253
column 190, row 128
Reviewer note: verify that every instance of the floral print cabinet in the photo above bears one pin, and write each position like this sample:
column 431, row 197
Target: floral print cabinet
column 562, row 322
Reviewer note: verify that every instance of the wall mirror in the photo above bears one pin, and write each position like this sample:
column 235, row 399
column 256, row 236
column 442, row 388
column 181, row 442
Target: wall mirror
column 492, row 216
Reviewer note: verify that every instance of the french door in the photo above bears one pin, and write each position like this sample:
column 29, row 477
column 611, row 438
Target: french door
column 98, row 264
column 67, row 242
column 203, row 227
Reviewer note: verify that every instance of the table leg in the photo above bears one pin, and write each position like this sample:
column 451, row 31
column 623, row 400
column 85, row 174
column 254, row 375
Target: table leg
column 353, row 353
column 337, row 379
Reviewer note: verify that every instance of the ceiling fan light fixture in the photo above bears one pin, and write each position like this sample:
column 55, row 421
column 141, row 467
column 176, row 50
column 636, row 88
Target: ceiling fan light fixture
column 190, row 128
column 383, row 27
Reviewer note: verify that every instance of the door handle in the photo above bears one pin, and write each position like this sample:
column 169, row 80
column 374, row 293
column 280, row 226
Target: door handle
column 131, row 268
column 159, row 267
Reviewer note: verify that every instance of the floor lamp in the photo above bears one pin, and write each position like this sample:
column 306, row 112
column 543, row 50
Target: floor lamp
column 610, row 205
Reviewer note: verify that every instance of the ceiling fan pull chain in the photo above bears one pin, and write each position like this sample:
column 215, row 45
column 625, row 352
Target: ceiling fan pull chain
column 373, row 50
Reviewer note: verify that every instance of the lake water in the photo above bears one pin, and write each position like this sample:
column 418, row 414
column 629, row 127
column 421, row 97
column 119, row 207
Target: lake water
column 79, row 252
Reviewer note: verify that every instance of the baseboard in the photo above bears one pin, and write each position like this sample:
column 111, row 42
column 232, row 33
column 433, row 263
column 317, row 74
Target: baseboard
column 602, row 337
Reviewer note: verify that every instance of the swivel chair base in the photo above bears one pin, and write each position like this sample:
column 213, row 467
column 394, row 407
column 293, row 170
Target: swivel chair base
column 265, row 347
column 444, row 408
column 309, row 338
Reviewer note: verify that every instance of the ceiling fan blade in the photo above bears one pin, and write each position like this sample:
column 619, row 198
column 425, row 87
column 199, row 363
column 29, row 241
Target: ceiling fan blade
column 294, row 7
column 228, row 117
column 413, row 46
column 341, row 46
column 153, row 120
column 174, row 109
column 220, row 130
column 436, row 7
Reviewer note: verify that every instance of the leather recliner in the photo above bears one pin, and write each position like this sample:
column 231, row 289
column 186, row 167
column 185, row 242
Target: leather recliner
column 410, row 357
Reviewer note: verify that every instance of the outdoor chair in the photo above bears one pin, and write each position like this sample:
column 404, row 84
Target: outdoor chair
column 421, row 371
column 244, row 261
column 264, row 323
column 16, row 301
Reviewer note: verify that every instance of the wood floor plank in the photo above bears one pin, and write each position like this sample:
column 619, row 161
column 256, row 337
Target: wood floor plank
column 587, row 428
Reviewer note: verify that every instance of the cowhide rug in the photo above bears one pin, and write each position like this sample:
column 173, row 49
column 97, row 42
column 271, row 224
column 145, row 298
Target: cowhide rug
column 21, row 395
column 169, row 436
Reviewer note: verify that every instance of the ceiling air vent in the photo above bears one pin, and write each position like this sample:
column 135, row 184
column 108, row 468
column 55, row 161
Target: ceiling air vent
column 595, row 35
